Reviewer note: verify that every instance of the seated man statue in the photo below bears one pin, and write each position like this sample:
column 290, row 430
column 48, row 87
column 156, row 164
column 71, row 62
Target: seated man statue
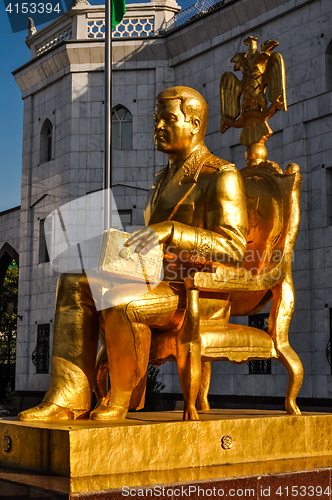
column 197, row 208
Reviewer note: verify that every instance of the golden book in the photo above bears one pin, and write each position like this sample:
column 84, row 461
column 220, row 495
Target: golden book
column 117, row 258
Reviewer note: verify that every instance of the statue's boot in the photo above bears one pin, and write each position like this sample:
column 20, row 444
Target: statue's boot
column 75, row 339
column 128, row 346
column 51, row 411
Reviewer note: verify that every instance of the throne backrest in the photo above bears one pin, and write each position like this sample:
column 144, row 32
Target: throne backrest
column 273, row 202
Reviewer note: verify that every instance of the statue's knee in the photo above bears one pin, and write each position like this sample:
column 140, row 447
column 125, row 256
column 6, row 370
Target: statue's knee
column 126, row 311
column 112, row 313
column 71, row 280
column 71, row 286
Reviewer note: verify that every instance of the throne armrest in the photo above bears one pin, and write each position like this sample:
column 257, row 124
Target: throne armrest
column 239, row 279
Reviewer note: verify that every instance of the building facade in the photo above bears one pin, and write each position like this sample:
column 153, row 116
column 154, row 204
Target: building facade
column 153, row 48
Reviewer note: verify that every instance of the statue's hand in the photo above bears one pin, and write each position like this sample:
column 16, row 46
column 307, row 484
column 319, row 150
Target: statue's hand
column 147, row 237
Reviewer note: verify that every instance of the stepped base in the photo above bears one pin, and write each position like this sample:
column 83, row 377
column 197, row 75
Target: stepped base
column 158, row 445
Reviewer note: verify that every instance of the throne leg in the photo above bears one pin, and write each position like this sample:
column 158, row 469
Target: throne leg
column 202, row 398
column 292, row 362
column 281, row 313
column 188, row 356
column 101, row 371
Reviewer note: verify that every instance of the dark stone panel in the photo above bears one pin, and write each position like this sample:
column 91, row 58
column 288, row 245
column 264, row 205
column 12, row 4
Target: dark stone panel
column 272, row 4
column 223, row 24
column 226, row 488
column 260, row 6
column 312, row 484
column 241, row 13
column 251, row 9
column 231, row 18
column 307, row 485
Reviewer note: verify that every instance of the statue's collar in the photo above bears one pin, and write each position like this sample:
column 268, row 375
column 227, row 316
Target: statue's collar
column 190, row 168
column 193, row 164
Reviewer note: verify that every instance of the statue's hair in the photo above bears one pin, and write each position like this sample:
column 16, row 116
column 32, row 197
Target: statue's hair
column 192, row 104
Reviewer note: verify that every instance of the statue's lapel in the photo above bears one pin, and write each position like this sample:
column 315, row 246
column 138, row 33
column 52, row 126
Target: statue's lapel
column 153, row 194
column 165, row 202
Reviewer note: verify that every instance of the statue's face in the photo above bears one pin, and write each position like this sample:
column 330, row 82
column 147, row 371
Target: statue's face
column 172, row 134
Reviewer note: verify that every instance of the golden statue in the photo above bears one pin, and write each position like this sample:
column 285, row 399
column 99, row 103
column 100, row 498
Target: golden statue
column 227, row 240
column 273, row 209
column 197, row 208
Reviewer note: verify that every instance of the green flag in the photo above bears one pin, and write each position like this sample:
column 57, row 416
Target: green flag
column 118, row 11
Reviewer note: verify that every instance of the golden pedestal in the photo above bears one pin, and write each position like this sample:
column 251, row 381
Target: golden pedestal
column 147, row 442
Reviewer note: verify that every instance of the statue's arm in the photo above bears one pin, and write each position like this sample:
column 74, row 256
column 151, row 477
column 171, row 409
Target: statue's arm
column 224, row 237
column 227, row 214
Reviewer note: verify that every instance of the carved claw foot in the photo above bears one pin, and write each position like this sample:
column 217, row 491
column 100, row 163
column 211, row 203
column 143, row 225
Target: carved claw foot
column 292, row 408
column 190, row 414
column 203, row 404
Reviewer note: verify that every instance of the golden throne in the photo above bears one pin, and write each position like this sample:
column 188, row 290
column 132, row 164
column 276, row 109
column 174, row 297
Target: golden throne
column 274, row 215
column 273, row 220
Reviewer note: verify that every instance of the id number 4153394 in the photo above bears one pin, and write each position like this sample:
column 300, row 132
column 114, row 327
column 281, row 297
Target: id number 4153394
column 33, row 8
column 303, row 491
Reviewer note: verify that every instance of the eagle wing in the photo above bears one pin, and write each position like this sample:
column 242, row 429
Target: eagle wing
column 230, row 92
column 274, row 78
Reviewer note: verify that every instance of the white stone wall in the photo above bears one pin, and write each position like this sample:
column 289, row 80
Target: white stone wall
column 69, row 82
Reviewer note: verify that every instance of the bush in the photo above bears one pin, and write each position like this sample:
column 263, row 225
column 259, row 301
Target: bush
column 153, row 389
column 9, row 406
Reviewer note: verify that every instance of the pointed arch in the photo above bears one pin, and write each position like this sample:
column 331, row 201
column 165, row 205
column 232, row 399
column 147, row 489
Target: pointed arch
column 328, row 66
column 46, row 141
column 7, row 254
column 121, row 128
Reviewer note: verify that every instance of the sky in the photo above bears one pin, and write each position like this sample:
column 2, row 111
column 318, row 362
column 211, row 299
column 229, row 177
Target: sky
column 13, row 54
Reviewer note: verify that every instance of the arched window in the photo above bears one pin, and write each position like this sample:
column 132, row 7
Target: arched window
column 8, row 315
column 43, row 251
column 121, row 128
column 7, row 254
column 46, row 141
column 328, row 58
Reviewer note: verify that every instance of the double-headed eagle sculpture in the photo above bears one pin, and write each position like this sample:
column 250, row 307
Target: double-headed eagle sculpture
column 244, row 103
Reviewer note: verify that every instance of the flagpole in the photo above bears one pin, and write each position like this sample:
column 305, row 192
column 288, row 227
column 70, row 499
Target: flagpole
column 108, row 124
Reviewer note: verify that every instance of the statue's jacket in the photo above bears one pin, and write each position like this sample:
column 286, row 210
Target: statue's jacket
column 206, row 202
